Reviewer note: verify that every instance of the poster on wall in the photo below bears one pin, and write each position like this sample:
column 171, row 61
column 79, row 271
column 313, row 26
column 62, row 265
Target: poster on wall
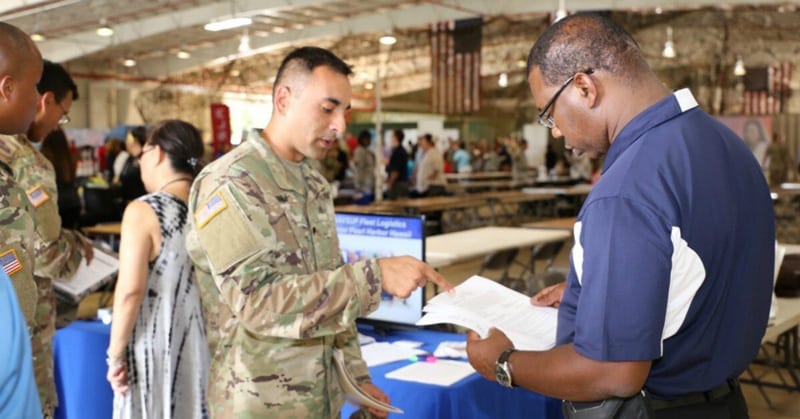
column 755, row 131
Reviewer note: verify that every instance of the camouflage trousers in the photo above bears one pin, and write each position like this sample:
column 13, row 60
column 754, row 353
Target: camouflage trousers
column 42, row 346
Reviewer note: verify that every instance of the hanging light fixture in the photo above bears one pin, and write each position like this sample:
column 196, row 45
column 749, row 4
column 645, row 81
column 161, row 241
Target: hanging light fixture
column 388, row 39
column 37, row 37
column 231, row 23
column 129, row 62
column 669, row 47
column 502, row 81
column 738, row 68
column 183, row 54
column 104, row 30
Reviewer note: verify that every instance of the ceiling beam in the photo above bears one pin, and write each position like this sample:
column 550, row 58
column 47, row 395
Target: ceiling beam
column 83, row 43
column 414, row 16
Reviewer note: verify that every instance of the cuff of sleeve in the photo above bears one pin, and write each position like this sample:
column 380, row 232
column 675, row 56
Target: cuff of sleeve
column 369, row 291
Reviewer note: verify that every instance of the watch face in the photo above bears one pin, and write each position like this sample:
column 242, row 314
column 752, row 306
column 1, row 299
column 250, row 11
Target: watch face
column 502, row 375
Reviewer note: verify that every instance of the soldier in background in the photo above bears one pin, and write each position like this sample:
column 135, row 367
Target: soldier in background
column 277, row 295
column 57, row 252
column 20, row 69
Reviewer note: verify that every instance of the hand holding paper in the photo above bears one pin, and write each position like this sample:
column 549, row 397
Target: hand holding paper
column 480, row 303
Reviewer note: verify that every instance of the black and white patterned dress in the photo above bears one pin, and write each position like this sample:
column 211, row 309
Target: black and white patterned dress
column 167, row 355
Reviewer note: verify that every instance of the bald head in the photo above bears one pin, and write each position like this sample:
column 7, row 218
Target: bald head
column 583, row 41
column 20, row 70
column 17, row 50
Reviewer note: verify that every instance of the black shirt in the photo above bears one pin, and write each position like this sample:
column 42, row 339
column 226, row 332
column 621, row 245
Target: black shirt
column 398, row 162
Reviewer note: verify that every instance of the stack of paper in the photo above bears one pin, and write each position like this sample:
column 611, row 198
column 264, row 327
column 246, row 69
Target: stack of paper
column 480, row 303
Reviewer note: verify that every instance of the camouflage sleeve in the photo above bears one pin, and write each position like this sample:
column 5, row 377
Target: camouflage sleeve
column 16, row 244
column 347, row 342
column 17, row 263
column 59, row 258
column 261, row 274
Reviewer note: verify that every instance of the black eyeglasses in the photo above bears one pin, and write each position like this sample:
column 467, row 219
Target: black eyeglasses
column 547, row 121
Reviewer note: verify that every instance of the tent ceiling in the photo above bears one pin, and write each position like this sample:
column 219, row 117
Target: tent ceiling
column 152, row 31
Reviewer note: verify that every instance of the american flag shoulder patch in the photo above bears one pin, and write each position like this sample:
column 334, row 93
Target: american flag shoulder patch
column 215, row 205
column 37, row 196
column 10, row 262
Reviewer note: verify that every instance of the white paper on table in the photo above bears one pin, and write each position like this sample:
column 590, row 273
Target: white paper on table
column 380, row 353
column 365, row 340
column 443, row 372
column 480, row 303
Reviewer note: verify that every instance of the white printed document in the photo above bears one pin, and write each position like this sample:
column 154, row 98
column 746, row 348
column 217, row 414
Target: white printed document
column 88, row 278
column 380, row 353
column 480, row 303
column 443, row 372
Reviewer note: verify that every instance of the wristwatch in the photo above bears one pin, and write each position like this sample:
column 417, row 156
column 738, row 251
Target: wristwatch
column 502, row 370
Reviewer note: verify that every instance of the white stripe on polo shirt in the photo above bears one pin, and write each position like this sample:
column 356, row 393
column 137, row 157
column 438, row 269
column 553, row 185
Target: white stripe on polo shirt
column 686, row 277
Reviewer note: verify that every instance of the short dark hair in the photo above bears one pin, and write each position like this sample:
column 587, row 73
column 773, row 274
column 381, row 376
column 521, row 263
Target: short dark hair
column 139, row 133
column 56, row 79
column 364, row 138
column 182, row 143
column 428, row 138
column 399, row 134
column 307, row 59
column 583, row 41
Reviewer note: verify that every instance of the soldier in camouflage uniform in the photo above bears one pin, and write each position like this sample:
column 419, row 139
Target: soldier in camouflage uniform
column 20, row 69
column 19, row 78
column 57, row 252
column 277, row 297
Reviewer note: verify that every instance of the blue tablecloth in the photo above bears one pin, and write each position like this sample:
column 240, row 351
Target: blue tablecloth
column 83, row 392
column 471, row 398
column 80, row 371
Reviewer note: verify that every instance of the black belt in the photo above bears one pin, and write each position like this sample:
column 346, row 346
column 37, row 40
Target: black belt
column 729, row 386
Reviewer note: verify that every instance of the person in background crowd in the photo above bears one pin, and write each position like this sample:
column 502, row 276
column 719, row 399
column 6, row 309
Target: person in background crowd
column 113, row 148
column 447, row 155
column 519, row 159
column 480, row 155
column 56, row 149
column 753, row 135
column 158, row 355
column 461, row 158
column 130, row 179
column 670, row 280
column 86, row 166
column 330, row 165
column 503, row 162
column 277, row 295
column 430, row 175
column 119, row 164
column 778, row 161
column 397, row 169
column 58, row 252
column 364, row 164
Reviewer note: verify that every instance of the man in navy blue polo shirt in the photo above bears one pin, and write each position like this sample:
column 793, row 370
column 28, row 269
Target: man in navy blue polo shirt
column 671, row 273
